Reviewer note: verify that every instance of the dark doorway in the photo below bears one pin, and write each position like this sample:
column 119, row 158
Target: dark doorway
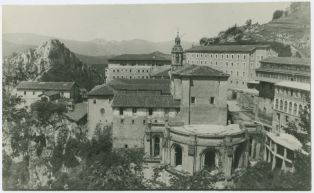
column 234, row 95
column 237, row 157
column 209, row 161
column 157, row 147
column 178, row 155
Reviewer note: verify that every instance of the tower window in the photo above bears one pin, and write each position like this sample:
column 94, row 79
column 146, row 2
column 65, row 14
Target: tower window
column 150, row 111
column 192, row 100
column 212, row 100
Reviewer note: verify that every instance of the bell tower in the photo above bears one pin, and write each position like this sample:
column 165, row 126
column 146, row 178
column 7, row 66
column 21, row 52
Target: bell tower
column 177, row 53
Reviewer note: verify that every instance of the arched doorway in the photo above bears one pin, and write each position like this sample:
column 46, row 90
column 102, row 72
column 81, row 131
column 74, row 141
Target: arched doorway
column 157, row 146
column 176, row 155
column 209, row 159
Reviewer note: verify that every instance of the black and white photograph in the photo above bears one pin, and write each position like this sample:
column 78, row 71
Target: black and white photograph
column 139, row 95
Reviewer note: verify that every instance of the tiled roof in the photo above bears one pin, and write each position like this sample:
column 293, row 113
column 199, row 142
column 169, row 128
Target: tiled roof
column 147, row 101
column 199, row 71
column 294, row 85
column 155, row 56
column 226, row 48
column 141, row 85
column 80, row 110
column 162, row 73
column 287, row 60
column 25, row 85
column 101, row 90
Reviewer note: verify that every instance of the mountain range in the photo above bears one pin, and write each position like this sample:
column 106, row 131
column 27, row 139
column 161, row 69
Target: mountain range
column 96, row 51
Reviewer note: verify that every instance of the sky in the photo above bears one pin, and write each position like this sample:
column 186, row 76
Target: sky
column 125, row 22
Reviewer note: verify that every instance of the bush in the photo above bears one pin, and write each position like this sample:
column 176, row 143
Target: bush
column 278, row 14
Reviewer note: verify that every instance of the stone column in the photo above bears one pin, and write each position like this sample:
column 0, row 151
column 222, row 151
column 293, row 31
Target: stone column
column 252, row 148
column 274, row 157
column 283, row 166
column 258, row 147
column 228, row 161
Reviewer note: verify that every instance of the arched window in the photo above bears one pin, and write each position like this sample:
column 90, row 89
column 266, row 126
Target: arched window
column 281, row 105
column 295, row 106
column 276, row 104
column 290, row 107
column 286, row 106
column 300, row 109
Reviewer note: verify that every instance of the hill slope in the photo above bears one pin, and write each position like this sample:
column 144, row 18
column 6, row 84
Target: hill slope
column 292, row 29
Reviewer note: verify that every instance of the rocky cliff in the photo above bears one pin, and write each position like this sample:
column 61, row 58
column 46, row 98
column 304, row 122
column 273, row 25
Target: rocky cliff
column 291, row 29
column 52, row 61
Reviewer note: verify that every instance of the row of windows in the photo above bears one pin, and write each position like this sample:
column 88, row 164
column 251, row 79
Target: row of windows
column 228, row 56
column 290, row 92
column 211, row 100
column 288, row 107
column 131, row 77
column 227, row 64
column 25, row 92
column 130, row 70
column 287, row 67
column 134, row 111
column 283, row 77
column 237, row 82
column 122, row 121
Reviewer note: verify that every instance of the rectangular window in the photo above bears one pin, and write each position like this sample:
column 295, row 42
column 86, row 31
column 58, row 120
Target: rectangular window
column 33, row 92
column 24, row 92
column 192, row 100
column 133, row 122
column 150, row 111
column 121, row 111
column 126, row 146
column 121, row 121
column 144, row 122
column 212, row 100
column 94, row 101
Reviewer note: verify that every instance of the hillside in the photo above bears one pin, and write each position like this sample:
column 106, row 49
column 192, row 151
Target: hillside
column 96, row 47
column 52, row 61
column 291, row 29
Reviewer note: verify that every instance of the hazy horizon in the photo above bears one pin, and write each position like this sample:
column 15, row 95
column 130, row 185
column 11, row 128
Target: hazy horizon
column 156, row 23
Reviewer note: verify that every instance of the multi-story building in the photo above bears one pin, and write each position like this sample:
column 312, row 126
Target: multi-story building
column 181, row 122
column 274, row 70
column 240, row 61
column 289, row 101
column 284, row 68
column 136, row 66
column 32, row 91
column 108, row 104
column 284, row 85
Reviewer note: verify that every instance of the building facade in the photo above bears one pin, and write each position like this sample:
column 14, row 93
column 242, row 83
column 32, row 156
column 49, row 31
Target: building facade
column 239, row 61
column 136, row 66
column 32, row 91
column 289, row 71
column 289, row 101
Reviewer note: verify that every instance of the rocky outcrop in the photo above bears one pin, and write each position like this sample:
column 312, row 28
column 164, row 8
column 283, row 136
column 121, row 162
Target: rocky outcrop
column 52, row 61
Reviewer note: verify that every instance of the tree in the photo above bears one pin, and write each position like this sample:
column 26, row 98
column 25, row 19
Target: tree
column 248, row 23
column 278, row 14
